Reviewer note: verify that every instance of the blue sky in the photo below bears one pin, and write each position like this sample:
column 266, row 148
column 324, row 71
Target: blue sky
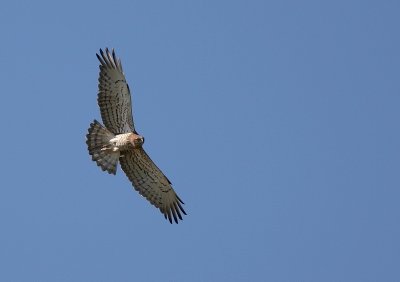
column 276, row 121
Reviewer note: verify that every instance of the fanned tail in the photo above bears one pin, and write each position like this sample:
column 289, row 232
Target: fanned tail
column 99, row 147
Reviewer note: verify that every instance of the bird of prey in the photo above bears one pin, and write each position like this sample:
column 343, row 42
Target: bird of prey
column 118, row 140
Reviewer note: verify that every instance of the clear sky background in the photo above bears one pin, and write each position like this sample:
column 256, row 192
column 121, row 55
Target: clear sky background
column 276, row 121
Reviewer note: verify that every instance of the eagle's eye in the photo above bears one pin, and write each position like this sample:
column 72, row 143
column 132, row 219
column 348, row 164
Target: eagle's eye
column 142, row 140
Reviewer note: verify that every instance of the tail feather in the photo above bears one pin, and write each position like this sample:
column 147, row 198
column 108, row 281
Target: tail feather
column 98, row 144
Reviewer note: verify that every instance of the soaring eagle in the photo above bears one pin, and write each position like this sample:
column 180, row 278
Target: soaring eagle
column 119, row 141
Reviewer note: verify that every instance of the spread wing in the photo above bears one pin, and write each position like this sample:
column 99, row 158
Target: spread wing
column 114, row 96
column 151, row 183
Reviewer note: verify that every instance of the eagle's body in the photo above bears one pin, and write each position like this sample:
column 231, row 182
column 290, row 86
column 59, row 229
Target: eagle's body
column 118, row 141
column 126, row 141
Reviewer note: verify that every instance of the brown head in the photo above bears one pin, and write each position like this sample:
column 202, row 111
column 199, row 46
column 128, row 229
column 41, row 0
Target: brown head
column 136, row 140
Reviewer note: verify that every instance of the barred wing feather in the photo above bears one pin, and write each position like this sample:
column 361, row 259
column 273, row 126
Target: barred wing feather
column 114, row 97
column 151, row 183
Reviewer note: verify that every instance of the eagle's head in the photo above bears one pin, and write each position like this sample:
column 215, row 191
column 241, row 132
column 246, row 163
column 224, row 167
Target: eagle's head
column 136, row 140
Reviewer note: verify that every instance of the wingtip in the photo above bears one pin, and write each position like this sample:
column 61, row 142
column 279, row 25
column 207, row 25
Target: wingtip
column 180, row 207
column 100, row 58
column 173, row 214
